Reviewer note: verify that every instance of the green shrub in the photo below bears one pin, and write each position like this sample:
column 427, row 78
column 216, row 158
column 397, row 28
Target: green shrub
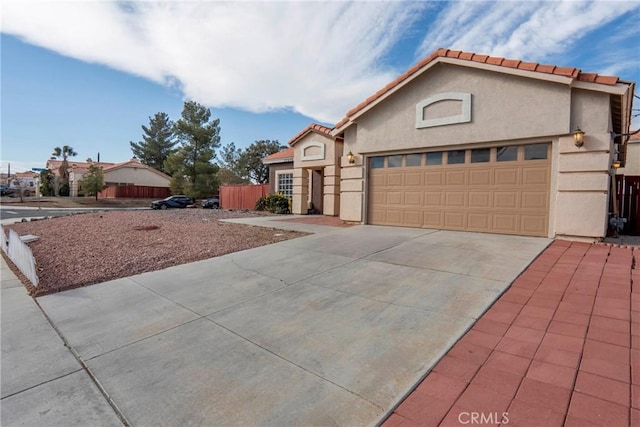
column 274, row 203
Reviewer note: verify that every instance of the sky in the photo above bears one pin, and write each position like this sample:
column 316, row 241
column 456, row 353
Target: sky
column 90, row 73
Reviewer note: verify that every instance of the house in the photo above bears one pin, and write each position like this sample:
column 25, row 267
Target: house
column 632, row 164
column 463, row 141
column 125, row 179
column 280, row 172
column 26, row 181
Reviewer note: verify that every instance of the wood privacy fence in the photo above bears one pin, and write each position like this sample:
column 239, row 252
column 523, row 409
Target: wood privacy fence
column 134, row 192
column 242, row 196
column 629, row 203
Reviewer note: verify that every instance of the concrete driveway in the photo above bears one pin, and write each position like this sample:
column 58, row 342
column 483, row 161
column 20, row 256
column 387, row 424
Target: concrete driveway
column 329, row 329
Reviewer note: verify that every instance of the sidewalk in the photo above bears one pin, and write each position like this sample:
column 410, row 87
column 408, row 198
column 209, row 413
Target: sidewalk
column 560, row 347
column 42, row 382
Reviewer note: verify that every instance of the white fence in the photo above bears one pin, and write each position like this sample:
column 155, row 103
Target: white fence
column 20, row 254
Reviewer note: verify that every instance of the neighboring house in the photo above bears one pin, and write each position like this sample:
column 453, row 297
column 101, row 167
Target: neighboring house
column 280, row 172
column 632, row 166
column 131, row 173
column 26, row 181
column 471, row 142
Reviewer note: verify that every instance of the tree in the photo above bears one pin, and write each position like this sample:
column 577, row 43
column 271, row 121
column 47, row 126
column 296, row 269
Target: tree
column 93, row 181
column 191, row 167
column 63, row 171
column 250, row 161
column 47, row 183
column 228, row 158
column 227, row 176
column 157, row 143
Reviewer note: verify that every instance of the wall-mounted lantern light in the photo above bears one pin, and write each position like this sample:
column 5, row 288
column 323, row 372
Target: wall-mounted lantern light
column 578, row 137
column 351, row 158
column 616, row 164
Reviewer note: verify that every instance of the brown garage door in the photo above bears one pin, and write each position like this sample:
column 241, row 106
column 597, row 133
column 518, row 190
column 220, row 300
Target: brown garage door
column 495, row 190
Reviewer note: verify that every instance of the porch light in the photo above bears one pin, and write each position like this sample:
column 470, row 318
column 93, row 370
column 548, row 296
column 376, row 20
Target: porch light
column 616, row 164
column 578, row 137
column 351, row 158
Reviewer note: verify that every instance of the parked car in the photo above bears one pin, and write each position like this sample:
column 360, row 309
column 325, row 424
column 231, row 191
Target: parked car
column 172, row 202
column 5, row 190
column 211, row 203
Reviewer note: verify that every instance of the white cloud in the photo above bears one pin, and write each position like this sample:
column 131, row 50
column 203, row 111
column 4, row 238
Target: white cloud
column 529, row 30
column 315, row 58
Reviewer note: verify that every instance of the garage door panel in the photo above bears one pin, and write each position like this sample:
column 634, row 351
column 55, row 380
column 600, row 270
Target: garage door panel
column 506, row 176
column 433, row 178
column 412, row 218
column 413, row 198
column 455, row 177
column 480, row 177
column 535, row 200
column 434, row 198
column 534, row 225
column 535, row 176
column 395, row 198
column 413, row 179
column 433, row 219
column 394, row 216
column 479, row 221
column 507, row 223
column 506, row 199
column 394, row 179
column 509, row 197
column 454, row 199
column 480, row 199
column 454, row 220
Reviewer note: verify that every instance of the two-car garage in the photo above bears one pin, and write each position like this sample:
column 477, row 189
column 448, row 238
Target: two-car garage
column 501, row 189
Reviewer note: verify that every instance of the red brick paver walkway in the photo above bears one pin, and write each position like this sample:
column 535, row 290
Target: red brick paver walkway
column 561, row 347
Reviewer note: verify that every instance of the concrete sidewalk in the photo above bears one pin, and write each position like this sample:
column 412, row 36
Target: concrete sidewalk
column 42, row 383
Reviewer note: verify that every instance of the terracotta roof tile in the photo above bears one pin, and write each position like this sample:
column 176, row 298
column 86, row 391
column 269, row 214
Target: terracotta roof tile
column 494, row 60
column 511, row 63
column 529, row 66
column 549, row 69
column 470, row 56
column 480, row 58
column 607, row 80
column 284, row 154
column 314, row 127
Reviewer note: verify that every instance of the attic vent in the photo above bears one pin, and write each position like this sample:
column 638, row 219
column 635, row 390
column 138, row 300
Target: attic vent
column 443, row 106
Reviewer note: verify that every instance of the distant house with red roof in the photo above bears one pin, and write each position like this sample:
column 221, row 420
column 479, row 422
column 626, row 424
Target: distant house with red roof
column 118, row 177
column 462, row 141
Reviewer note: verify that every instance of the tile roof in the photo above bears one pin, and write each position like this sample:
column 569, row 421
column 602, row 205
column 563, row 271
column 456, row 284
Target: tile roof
column 491, row 60
column 313, row 127
column 284, row 154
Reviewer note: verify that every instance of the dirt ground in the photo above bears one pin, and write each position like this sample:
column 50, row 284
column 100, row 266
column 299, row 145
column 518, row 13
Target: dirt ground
column 74, row 202
column 85, row 249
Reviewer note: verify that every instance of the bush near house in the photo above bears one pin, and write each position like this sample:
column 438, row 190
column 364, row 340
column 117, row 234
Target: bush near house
column 274, row 203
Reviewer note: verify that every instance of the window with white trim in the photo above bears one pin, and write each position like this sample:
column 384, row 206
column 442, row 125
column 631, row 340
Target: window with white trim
column 285, row 184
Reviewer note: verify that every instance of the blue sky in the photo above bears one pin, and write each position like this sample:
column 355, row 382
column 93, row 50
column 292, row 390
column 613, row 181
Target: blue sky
column 89, row 74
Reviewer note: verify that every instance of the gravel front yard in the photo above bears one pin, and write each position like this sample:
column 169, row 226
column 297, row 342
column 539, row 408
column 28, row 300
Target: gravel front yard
column 86, row 249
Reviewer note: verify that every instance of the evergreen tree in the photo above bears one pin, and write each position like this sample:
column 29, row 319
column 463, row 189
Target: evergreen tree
column 93, row 181
column 250, row 161
column 193, row 172
column 157, row 142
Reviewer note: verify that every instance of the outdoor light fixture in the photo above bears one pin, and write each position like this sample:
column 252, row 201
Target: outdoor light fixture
column 351, row 158
column 616, row 164
column 578, row 137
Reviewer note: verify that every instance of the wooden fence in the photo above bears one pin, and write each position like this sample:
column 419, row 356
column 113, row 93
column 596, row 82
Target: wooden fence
column 134, row 192
column 242, row 196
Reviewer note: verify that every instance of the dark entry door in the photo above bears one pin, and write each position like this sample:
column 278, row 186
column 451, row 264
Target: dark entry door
column 317, row 185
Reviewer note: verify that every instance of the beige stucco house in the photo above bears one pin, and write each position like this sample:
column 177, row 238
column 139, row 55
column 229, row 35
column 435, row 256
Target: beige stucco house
column 129, row 173
column 471, row 142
